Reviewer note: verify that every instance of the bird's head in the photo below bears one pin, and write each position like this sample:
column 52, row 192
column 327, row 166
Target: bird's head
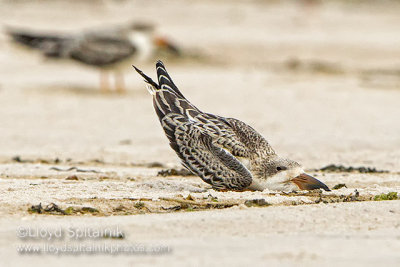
column 287, row 175
column 145, row 38
column 141, row 27
column 164, row 45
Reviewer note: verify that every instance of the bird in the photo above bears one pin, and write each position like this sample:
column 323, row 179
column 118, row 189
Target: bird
column 109, row 49
column 224, row 152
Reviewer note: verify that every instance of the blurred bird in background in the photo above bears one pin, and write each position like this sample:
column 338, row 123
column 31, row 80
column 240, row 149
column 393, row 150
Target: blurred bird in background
column 108, row 49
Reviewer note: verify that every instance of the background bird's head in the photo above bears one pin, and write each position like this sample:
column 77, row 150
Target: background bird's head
column 141, row 27
column 165, row 47
column 287, row 175
column 141, row 35
column 150, row 44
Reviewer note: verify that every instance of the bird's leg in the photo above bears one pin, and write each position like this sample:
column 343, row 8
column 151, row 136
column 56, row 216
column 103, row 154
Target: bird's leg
column 104, row 82
column 119, row 82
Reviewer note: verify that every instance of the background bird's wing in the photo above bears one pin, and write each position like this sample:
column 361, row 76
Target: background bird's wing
column 101, row 50
column 199, row 154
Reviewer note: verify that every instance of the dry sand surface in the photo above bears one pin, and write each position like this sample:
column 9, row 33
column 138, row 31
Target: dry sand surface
column 320, row 81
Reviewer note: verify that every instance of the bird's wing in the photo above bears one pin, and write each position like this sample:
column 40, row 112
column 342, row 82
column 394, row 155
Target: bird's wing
column 254, row 142
column 223, row 134
column 101, row 50
column 198, row 153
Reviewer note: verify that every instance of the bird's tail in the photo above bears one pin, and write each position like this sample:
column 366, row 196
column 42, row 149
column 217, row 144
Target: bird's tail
column 165, row 81
column 50, row 45
column 151, row 85
column 166, row 96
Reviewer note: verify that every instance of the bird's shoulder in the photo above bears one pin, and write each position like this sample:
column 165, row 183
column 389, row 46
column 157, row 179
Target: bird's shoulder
column 237, row 137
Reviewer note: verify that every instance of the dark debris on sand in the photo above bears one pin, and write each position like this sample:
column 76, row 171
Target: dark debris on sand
column 341, row 168
column 174, row 172
column 338, row 186
column 54, row 209
column 134, row 206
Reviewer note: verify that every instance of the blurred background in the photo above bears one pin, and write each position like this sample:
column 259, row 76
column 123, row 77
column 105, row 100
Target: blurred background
column 319, row 79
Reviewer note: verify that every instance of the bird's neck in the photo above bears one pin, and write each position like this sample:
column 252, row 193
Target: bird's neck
column 144, row 44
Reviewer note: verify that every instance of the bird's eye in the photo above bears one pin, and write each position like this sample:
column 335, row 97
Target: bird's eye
column 280, row 168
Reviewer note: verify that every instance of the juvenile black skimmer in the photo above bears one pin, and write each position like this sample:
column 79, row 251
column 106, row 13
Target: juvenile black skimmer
column 225, row 152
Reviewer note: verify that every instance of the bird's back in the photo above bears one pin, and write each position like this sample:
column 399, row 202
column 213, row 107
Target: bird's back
column 101, row 51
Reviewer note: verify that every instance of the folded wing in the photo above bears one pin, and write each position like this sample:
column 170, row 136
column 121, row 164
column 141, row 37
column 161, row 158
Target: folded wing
column 198, row 153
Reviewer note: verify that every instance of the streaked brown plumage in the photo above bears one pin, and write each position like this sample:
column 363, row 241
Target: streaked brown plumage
column 225, row 152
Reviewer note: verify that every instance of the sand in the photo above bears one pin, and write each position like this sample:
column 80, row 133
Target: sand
column 320, row 82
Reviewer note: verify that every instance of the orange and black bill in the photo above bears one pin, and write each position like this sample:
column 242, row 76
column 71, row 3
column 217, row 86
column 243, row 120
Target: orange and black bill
column 165, row 44
column 307, row 182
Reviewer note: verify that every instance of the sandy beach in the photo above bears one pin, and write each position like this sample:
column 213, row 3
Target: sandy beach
column 320, row 80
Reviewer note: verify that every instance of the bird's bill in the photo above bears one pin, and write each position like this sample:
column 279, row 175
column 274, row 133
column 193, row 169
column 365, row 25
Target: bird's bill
column 164, row 43
column 307, row 182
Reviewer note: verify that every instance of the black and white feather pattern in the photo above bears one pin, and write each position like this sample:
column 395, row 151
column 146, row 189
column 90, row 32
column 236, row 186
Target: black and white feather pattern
column 212, row 147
